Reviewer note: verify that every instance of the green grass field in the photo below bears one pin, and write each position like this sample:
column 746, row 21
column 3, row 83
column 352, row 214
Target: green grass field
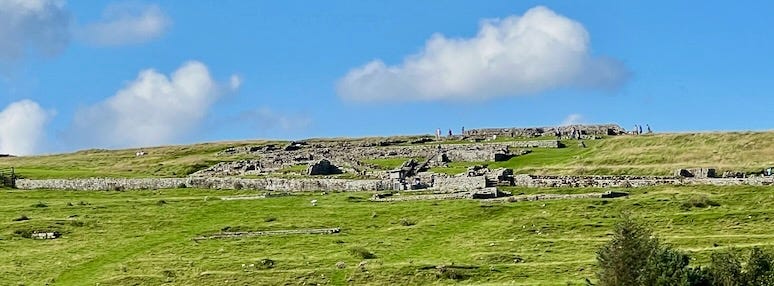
column 145, row 237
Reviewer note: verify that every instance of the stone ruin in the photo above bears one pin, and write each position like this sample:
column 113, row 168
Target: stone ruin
column 586, row 131
column 352, row 156
column 696, row 173
column 322, row 167
column 46, row 235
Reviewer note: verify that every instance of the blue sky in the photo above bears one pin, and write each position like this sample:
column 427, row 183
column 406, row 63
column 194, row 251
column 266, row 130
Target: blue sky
column 98, row 74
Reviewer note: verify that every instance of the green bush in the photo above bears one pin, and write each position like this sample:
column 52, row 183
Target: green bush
column 699, row 202
column 407, row 222
column 361, row 252
column 21, row 218
column 40, row 205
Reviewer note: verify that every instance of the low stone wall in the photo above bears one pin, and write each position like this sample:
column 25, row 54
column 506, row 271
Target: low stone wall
column 300, row 185
column 271, row 184
column 631, row 181
column 460, row 183
column 535, row 144
column 542, row 197
column 269, row 232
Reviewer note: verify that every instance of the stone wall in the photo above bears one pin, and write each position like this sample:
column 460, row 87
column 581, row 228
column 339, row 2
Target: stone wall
column 460, row 183
column 445, row 183
column 598, row 130
column 535, row 144
column 271, row 184
column 631, row 181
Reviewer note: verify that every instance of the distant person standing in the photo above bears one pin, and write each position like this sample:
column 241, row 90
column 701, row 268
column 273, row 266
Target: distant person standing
column 635, row 129
column 450, row 133
column 639, row 131
column 649, row 131
column 438, row 134
column 463, row 131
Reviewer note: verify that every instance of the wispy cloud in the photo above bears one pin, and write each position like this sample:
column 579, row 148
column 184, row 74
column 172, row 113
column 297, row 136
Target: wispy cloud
column 538, row 51
column 22, row 127
column 153, row 109
column 32, row 27
column 573, row 119
column 124, row 24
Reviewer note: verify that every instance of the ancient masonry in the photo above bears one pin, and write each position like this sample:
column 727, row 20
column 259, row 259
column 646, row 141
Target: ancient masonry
column 347, row 157
column 299, row 185
column 586, row 131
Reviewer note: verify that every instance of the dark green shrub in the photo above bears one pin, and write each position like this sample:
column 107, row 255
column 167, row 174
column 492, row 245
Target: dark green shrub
column 40, row 205
column 759, row 269
column 266, row 263
column 77, row 223
column 452, row 273
column 361, row 252
column 407, row 222
column 699, row 202
column 21, row 218
column 25, row 233
column 725, row 270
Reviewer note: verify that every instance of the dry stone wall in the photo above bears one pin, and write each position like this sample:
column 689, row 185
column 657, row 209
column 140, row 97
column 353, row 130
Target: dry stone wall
column 596, row 130
column 271, row 184
column 445, row 183
column 631, row 181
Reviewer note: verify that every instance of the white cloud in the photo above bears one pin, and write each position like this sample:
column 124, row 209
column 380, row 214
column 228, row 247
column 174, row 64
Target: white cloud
column 573, row 119
column 151, row 110
column 235, row 82
column 126, row 24
column 32, row 26
column 21, row 127
column 518, row 55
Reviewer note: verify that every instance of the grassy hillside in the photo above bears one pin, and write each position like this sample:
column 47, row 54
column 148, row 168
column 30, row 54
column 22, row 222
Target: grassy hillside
column 658, row 154
column 145, row 237
column 166, row 161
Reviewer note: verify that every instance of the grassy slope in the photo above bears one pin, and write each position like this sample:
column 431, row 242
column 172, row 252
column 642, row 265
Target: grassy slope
column 128, row 238
column 646, row 155
column 639, row 155
column 167, row 161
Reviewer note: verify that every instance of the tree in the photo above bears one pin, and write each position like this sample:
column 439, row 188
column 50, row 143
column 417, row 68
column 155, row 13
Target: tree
column 634, row 256
column 623, row 260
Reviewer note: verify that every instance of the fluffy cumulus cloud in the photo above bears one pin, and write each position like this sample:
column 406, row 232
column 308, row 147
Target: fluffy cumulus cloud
column 124, row 24
column 153, row 109
column 32, row 26
column 518, row 55
column 21, row 127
